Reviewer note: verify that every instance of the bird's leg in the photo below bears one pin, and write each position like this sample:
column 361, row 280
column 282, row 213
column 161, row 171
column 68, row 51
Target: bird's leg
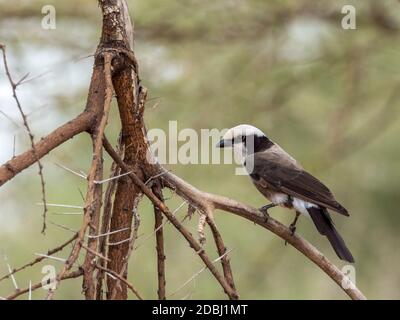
column 292, row 226
column 265, row 208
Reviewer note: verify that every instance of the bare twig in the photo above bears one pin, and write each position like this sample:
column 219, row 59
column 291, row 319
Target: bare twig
column 103, row 235
column 50, row 257
column 132, row 239
column 61, row 205
column 105, row 227
column 97, row 254
column 11, row 273
column 28, row 130
column 70, row 275
column 84, row 176
column 131, row 102
column 63, row 227
column 67, row 213
column 39, row 259
column 211, row 201
column 120, row 278
column 112, row 178
column 149, row 236
column 20, row 162
column 93, row 194
column 197, row 274
column 226, row 265
column 158, row 223
column 187, row 235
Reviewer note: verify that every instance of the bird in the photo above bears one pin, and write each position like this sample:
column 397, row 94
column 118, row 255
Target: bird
column 284, row 182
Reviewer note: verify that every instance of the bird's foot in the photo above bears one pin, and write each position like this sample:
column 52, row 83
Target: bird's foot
column 264, row 210
column 292, row 226
column 266, row 207
column 292, row 229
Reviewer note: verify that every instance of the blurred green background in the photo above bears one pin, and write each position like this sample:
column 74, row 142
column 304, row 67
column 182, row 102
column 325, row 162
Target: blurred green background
column 327, row 95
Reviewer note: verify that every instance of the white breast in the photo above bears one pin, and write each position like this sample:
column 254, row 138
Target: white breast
column 302, row 206
column 278, row 198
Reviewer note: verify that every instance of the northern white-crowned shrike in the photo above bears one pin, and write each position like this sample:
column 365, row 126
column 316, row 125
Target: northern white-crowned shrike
column 282, row 180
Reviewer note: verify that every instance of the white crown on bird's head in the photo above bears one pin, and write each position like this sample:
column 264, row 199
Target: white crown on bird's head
column 242, row 130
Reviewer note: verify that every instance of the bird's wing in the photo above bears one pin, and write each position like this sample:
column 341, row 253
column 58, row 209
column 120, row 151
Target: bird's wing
column 277, row 172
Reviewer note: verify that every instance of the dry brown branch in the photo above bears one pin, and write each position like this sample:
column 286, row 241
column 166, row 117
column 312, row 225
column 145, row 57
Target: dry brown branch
column 94, row 193
column 118, row 32
column 225, row 261
column 158, row 227
column 39, row 259
column 187, row 235
column 193, row 277
column 116, row 67
column 105, row 227
column 95, row 253
column 131, row 241
column 20, row 162
column 93, row 196
column 209, row 201
column 14, row 86
column 120, row 278
column 70, row 275
column 149, row 236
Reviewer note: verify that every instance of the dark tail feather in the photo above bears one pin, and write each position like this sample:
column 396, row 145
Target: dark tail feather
column 325, row 226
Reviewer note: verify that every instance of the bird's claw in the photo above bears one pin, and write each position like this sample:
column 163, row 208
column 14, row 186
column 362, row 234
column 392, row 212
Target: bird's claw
column 264, row 211
column 292, row 229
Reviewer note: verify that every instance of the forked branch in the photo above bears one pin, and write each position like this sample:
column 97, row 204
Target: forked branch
column 175, row 222
column 206, row 201
column 117, row 42
column 14, row 86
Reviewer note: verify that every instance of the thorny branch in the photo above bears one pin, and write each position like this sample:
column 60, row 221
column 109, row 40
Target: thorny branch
column 41, row 258
column 120, row 278
column 125, row 261
column 193, row 277
column 207, row 201
column 105, row 227
column 222, row 252
column 93, row 196
column 175, row 222
column 116, row 46
column 69, row 275
column 159, row 230
column 14, row 86
column 94, row 193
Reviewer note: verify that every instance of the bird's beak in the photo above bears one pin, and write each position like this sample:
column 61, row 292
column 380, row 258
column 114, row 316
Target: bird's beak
column 224, row 144
column 221, row 144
